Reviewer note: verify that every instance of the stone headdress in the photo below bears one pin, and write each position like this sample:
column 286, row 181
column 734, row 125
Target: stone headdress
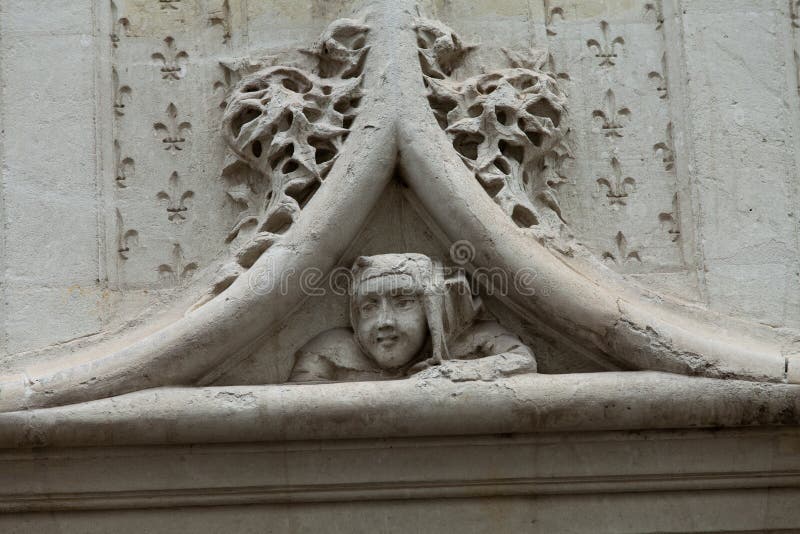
column 450, row 307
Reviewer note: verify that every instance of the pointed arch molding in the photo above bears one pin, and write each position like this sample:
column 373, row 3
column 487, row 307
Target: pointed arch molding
column 397, row 128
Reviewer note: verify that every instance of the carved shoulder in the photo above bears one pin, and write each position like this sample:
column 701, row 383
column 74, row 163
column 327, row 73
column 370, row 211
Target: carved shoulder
column 333, row 355
column 487, row 338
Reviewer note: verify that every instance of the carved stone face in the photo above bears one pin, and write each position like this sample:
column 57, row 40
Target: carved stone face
column 391, row 323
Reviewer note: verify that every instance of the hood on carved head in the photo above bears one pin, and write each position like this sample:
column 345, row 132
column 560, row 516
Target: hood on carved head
column 449, row 305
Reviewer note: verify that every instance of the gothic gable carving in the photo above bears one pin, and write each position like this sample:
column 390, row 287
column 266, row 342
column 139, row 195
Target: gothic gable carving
column 315, row 148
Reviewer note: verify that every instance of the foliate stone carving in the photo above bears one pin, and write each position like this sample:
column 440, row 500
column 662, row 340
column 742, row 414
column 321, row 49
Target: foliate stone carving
column 173, row 61
column 623, row 253
column 119, row 24
column 612, row 118
column 670, row 221
column 233, row 70
column 224, row 86
column 219, row 14
column 407, row 314
column 655, row 11
column 660, row 78
column 535, row 59
column 175, row 198
column 617, row 185
column 173, row 130
column 625, row 122
column 504, row 124
column 122, row 93
column 797, row 68
column 794, row 15
column 125, row 167
column 178, row 268
column 665, row 150
column 285, row 127
column 625, row 326
column 606, row 48
column 441, row 50
column 126, row 238
column 169, row 4
column 550, row 13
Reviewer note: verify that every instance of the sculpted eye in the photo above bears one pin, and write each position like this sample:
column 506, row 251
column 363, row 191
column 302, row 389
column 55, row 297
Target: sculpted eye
column 368, row 307
column 404, row 303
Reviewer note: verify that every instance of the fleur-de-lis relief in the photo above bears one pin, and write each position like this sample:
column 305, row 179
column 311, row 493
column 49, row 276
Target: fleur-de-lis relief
column 124, row 167
column 661, row 78
column 169, row 4
column 797, row 69
column 669, row 221
column 612, row 119
column 550, row 13
column 122, row 93
column 125, row 238
column 607, row 50
column 623, row 254
column 551, row 68
column 656, row 11
column 173, row 61
column 175, row 199
column 617, row 184
column 219, row 14
column 178, row 269
column 554, row 172
column 118, row 24
column 173, row 131
column 665, row 150
column 222, row 87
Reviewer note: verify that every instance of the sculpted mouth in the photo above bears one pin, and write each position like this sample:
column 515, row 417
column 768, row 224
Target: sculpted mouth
column 386, row 339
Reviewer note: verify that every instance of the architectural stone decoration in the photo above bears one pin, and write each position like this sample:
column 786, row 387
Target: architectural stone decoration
column 312, row 261
column 175, row 199
column 407, row 315
column 172, row 60
column 288, row 126
column 616, row 185
column 612, row 119
column 308, row 185
column 503, row 124
column 173, row 130
column 121, row 94
column 606, row 47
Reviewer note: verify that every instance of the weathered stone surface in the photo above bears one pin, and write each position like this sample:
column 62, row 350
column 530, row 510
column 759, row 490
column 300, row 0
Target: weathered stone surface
column 736, row 480
column 428, row 404
column 50, row 191
column 185, row 185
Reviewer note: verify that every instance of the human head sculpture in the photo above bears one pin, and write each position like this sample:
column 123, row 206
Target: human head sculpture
column 403, row 308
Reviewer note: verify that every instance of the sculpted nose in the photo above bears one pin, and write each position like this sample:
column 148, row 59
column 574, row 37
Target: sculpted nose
column 385, row 317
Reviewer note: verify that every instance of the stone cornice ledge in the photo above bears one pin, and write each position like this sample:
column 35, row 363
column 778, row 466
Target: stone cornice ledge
column 406, row 408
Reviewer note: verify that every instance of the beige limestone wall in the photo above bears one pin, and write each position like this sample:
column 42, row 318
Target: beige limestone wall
column 742, row 104
column 52, row 217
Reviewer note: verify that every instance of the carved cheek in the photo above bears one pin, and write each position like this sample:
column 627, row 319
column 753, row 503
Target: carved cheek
column 413, row 324
column 364, row 328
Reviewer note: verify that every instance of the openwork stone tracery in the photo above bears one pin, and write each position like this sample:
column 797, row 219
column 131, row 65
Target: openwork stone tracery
column 506, row 125
column 286, row 127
